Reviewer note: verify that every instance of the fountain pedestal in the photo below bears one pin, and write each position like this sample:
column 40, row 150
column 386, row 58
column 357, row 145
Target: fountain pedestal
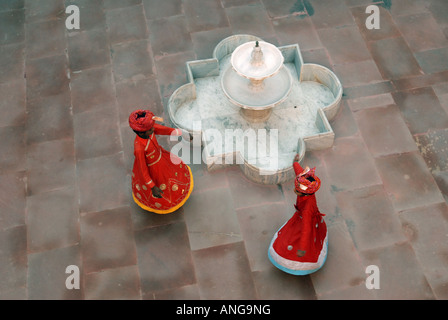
column 256, row 115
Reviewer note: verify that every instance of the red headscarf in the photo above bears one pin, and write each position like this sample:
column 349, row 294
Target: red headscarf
column 307, row 182
column 141, row 120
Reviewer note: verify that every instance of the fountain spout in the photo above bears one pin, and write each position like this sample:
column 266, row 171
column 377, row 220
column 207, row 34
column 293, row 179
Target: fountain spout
column 257, row 58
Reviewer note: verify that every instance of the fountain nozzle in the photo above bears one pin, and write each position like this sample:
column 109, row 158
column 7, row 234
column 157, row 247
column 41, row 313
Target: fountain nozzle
column 257, row 58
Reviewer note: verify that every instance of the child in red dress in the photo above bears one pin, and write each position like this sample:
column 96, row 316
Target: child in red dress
column 300, row 246
column 161, row 182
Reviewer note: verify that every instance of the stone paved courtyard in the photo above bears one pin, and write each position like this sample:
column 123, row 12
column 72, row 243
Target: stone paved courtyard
column 66, row 152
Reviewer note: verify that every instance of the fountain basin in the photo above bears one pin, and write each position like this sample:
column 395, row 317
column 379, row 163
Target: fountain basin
column 270, row 63
column 257, row 80
column 241, row 92
column 302, row 119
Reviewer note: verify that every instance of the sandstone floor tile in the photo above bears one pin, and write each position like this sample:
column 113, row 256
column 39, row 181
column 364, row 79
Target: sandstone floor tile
column 401, row 276
column 343, row 260
column 330, row 14
column 45, row 38
column 19, row 293
column 52, row 220
column 155, row 9
column 204, row 42
column 350, row 165
column 47, row 77
column 433, row 147
column 358, row 73
column 13, row 258
column 441, row 89
column 169, row 35
column 12, row 5
column 319, row 56
column 258, row 226
column 204, row 15
column 367, row 90
column 88, row 49
column 107, row 240
column 433, row 61
column 171, row 73
column 250, row 19
column 115, row 4
column 426, row 229
column 12, row 200
column 397, row 61
column 344, row 124
column 127, row 138
column 358, row 292
column 439, row 10
column 444, row 101
column 246, row 193
column 92, row 88
column 232, row 282
column 142, row 219
column 164, row 258
column 211, row 219
column 12, row 64
column 384, row 131
column 47, row 10
column 46, row 274
column 12, row 26
column 274, row 284
column 344, row 45
column 421, row 109
column 12, row 149
column 101, row 183
column 126, row 24
column 405, row 8
column 96, row 133
column 388, row 28
column 421, row 32
column 292, row 30
column 370, row 217
column 420, row 81
column 408, row 181
column 371, row 101
column 113, row 284
column 205, row 180
column 132, row 95
column 233, row 3
column 12, row 105
column 445, row 31
column 441, row 178
column 288, row 7
column 189, row 292
column 50, row 166
column 49, row 118
column 132, row 60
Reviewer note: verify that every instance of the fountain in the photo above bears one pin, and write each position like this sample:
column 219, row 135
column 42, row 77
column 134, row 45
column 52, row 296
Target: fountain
column 250, row 85
column 257, row 80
